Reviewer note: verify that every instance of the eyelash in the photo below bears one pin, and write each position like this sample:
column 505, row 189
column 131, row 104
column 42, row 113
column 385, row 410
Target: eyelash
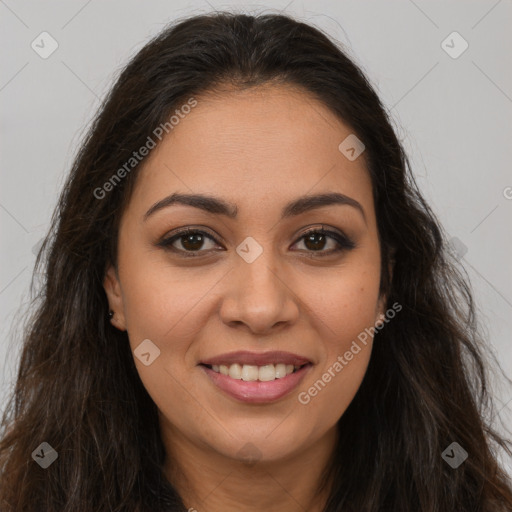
column 344, row 243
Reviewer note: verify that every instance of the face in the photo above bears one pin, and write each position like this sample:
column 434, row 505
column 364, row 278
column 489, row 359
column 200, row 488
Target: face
column 253, row 293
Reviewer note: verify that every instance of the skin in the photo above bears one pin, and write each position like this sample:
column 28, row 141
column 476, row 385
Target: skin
column 259, row 149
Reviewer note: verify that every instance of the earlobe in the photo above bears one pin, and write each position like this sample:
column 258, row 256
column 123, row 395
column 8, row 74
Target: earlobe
column 381, row 311
column 381, row 315
column 115, row 299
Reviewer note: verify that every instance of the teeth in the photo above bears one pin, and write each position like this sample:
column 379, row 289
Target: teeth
column 250, row 373
column 280, row 371
column 235, row 371
column 267, row 372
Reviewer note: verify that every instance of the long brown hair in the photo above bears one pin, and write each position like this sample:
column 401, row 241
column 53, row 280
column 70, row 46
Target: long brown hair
column 77, row 386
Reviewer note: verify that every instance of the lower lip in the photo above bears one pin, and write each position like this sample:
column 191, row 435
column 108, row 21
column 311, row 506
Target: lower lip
column 257, row 392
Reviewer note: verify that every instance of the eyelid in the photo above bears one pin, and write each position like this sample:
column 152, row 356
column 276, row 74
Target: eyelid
column 179, row 232
column 343, row 241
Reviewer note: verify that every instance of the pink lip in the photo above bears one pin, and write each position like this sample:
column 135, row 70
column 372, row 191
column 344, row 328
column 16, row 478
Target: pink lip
column 257, row 359
column 257, row 392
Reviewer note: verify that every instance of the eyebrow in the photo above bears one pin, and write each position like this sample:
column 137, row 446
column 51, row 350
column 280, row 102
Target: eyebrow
column 219, row 206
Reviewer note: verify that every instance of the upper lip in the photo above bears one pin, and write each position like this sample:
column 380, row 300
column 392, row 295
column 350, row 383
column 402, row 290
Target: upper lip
column 257, row 358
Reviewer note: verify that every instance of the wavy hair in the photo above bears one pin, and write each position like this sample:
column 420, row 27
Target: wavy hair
column 77, row 387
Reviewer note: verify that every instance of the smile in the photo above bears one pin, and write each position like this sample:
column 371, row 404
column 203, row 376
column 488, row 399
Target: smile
column 255, row 390
column 250, row 373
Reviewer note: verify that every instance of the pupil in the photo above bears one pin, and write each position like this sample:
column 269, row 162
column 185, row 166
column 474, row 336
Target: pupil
column 194, row 245
column 189, row 239
column 310, row 238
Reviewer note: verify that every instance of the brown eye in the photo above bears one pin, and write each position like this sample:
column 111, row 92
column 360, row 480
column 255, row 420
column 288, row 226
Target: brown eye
column 316, row 240
column 191, row 240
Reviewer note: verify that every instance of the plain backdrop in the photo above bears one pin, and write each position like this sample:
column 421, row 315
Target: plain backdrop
column 451, row 107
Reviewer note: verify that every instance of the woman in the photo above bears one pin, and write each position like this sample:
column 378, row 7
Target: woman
column 248, row 305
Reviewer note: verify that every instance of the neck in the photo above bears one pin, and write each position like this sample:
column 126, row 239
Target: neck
column 210, row 482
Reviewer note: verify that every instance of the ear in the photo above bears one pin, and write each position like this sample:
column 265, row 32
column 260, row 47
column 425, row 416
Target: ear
column 115, row 298
column 381, row 305
column 380, row 314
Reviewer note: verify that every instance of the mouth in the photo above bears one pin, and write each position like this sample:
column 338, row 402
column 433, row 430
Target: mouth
column 256, row 384
column 252, row 373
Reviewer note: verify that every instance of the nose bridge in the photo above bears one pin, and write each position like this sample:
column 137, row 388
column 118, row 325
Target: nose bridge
column 261, row 274
column 258, row 296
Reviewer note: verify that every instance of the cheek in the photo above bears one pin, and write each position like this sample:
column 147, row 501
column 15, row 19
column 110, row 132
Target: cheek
column 344, row 312
column 343, row 304
column 161, row 301
column 167, row 306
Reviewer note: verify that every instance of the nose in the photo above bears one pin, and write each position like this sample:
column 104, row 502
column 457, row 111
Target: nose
column 258, row 297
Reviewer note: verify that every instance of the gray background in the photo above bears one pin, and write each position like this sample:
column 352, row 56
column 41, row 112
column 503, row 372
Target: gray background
column 452, row 114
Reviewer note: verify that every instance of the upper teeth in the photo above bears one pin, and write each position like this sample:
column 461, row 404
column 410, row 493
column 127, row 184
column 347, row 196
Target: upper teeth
column 250, row 372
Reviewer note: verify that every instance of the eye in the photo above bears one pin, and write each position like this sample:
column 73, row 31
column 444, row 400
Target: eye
column 191, row 240
column 315, row 240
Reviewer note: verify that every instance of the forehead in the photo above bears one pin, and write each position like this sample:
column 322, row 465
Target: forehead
column 259, row 147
